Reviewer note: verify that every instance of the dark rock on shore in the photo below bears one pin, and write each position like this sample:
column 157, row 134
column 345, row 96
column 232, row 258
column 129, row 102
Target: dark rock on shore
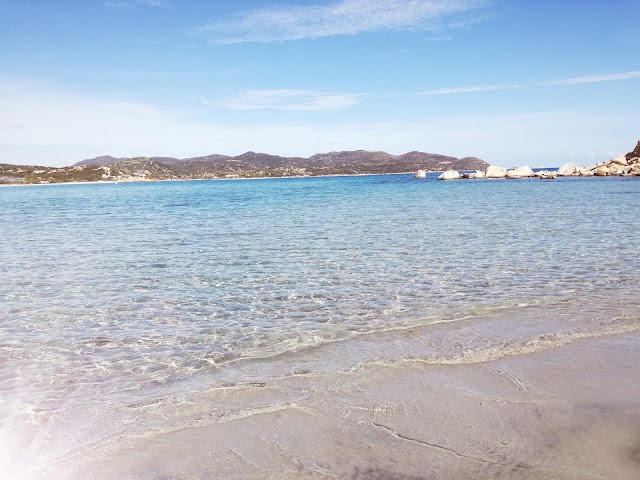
column 635, row 153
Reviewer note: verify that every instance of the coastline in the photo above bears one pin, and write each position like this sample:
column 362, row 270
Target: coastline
column 567, row 413
column 107, row 182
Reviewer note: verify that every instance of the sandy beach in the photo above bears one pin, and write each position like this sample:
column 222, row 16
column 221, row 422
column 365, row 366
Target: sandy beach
column 570, row 412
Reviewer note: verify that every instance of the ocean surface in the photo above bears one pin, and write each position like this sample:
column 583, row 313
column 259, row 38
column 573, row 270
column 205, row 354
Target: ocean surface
column 117, row 296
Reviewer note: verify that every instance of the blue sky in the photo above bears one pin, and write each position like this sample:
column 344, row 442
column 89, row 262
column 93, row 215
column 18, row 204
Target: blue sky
column 511, row 81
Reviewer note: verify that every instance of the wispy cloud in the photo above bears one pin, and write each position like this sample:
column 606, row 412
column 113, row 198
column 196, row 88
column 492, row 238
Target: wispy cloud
column 438, row 38
column 285, row 99
column 343, row 17
column 132, row 3
column 611, row 77
column 594, row 78
column 469, row 89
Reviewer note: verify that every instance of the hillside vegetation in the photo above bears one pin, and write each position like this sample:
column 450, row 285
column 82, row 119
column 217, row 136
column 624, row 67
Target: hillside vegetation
column 247, row 165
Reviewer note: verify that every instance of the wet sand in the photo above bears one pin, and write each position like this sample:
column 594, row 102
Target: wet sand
column 571, row 412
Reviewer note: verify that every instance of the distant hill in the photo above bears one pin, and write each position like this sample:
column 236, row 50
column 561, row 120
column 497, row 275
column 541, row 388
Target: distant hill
column 469, row 163
column 263, row 164
column 103, row 160
column 247, row 165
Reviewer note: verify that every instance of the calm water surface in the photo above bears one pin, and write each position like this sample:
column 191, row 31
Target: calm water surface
column 110, row 293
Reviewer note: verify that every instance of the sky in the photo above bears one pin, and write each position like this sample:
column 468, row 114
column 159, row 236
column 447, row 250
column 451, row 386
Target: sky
column 514, row 82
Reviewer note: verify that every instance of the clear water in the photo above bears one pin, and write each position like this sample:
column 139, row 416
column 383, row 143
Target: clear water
column 121, row 293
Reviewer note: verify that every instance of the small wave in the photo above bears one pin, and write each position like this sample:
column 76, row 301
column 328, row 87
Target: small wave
column 498, row 352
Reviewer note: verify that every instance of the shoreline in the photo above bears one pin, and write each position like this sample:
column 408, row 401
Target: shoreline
column 114, row 182
column 107, row 182
column 566, row 413
column 465, row 400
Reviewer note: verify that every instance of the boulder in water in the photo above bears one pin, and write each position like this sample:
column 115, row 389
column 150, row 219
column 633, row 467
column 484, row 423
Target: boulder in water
column 567, row 169
column 449, row 175
column 520, row 172
column 495, row 172
column 546, row 175
column 601, row 171
column 586, row 171
column 421, row 174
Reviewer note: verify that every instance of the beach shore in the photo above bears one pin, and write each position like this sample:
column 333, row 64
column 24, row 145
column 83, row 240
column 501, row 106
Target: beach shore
column 144, row 180
column 571, row 412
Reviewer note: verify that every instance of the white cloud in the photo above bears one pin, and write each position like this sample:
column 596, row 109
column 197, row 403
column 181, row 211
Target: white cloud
column 611, row 77
column 344, row 17
column 285, row 99
column 439, row 38
column 131, row 3
column 469, row 89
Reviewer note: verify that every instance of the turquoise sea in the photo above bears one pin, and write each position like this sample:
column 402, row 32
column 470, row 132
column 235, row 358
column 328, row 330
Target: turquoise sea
column 119, row 295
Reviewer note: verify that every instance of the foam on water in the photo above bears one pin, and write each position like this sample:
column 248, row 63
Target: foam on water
column 133, row 294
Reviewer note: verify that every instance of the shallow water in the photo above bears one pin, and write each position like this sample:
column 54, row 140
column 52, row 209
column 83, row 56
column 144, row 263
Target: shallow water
column 126, row 294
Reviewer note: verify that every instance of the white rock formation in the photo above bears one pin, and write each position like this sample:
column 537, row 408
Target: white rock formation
column 449, row 175
column 546, row 175
column 476, row 174
column 601, row 171
column 568, row 169
column 495, row 172
column 620, row 160
column 520, row 172
column 421, row 174
column 587, row 171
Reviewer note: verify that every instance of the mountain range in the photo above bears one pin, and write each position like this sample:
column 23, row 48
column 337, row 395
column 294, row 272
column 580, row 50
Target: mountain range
column 247, row 165
column 252, row 164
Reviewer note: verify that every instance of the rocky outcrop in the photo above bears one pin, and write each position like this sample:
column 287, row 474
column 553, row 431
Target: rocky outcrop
column 546, row 175
column 421, row 174
column 449, row 175
column 567, row 169
column 495, row 172
column 619, row 160
column 635, row 153
column 520, row 172
column 622, row 165
column 474, row 174
column 587, row 171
